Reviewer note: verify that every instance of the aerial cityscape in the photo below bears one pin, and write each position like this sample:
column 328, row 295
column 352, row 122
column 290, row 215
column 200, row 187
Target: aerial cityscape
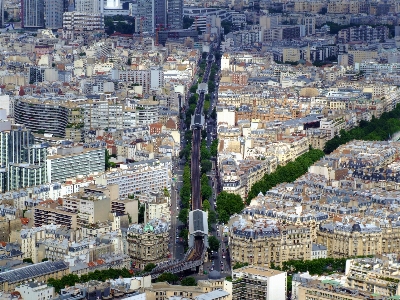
column 200, row 150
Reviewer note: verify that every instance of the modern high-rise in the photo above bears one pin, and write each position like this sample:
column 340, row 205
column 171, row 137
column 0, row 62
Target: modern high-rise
column 53, row 13
column 151, row 14
column 23, row 163
column 160, row 13
column 175, row 14
column 32, row 14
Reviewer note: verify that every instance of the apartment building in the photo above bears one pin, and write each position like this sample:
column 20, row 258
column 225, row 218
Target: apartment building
column 76, row 23
column 318, row 251
column 43, row 215
column 238, row 177
column 147, row 112
column 157, row 206
column 90, row 205
column 148, row 243
column 258, row 283
column 42, row 116
column 125, row 207
column 35, row 290
column 358, row 56
column 376, row 275
column 28, row 239
column 346, row 240
column 331, row 289
column 262, row 243
column 364, row 33
column 138, row 178
column 39, row 272
column 141, row 77
column 69, row 162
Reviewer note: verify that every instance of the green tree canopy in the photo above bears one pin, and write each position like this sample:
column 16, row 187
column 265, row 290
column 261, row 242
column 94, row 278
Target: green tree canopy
column 188, row 281
column 206, row 205
column 212, row 218
column 213, row 243
column 206, row 166
column 28, row 260
column 183, row 215
column 227, row 205
column 206, row 191
column 184, row 234
column 239, row 265
column 214, row 148
column 168, row 277
column 149, row 267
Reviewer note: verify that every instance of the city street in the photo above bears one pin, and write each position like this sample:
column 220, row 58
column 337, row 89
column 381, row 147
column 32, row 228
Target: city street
column 218, row 261
column 176, row 246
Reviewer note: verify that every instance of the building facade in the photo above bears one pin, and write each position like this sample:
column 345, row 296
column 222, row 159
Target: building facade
column 148, row 243
column 53, row 13
column 258, row 283
column 40, row 272
column 175, row 14
column 138, row 178
column 82, row 23
column 71, row 162
column 264, row 244
column 23, row 163
column 32, row 14
column 42, row 117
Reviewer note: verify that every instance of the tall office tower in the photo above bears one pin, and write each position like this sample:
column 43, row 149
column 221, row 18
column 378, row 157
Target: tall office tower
column 53, row 13
column 175, row 14
column 32, row 13
column 150, row 14
column 88, row 6
column 160, row 13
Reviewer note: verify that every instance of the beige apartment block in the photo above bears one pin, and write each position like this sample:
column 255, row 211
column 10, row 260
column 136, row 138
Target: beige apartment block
column 361, row 55
column 267, row 244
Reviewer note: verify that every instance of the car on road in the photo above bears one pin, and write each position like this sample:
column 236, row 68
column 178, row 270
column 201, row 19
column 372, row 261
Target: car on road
column 223, row 256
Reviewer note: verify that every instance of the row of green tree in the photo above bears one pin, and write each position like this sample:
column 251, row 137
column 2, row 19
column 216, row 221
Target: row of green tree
column 205, row 156
column 214, row 148
column 288, row 173
column 314, row 267
column 173, row 278
column 72, row 279
column 186, row 190
column 375, row 130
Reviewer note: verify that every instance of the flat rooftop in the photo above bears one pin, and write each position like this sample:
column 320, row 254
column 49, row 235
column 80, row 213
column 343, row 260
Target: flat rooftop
column 258, row 271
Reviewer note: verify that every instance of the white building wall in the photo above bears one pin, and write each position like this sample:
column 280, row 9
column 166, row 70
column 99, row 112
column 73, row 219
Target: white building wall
column 277, row 287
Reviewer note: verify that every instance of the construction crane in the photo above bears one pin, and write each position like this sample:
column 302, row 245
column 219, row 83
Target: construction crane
column 141, row 29
column 195, row 22
column 157, row 30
